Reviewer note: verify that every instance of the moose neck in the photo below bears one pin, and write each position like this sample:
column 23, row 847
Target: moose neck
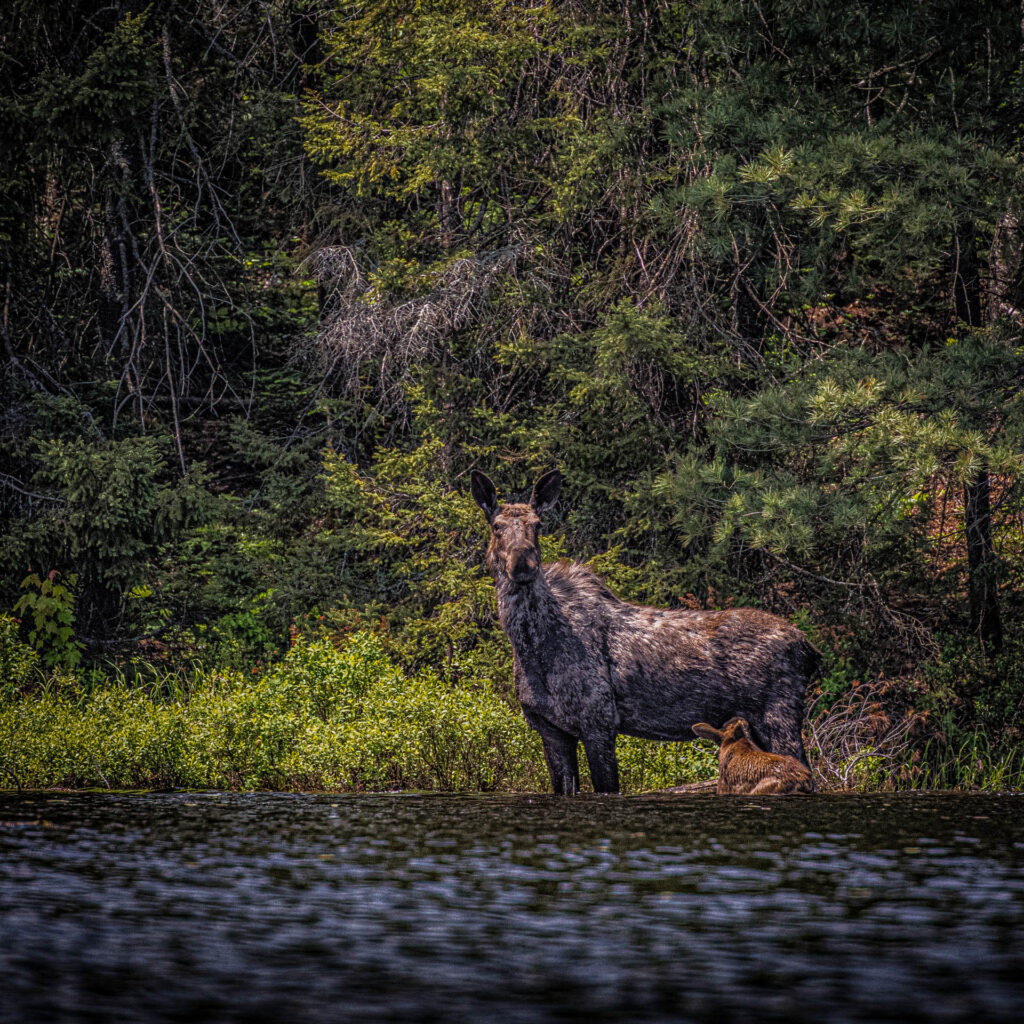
column 528, row 614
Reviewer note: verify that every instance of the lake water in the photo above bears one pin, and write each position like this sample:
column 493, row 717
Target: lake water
column 293, row 908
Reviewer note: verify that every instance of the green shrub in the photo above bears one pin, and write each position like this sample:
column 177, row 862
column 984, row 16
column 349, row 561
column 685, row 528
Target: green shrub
column 51, row 608
column 18, row 661
column 322, row 718
column 646, row 765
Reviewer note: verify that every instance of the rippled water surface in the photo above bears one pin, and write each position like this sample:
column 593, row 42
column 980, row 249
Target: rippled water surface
column 191, row 907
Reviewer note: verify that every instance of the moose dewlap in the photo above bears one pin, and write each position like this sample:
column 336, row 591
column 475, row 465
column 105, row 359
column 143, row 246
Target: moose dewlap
column 589, row 666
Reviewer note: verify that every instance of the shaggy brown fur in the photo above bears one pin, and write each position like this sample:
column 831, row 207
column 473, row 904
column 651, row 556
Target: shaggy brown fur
column 743, row 767
column 589, row 666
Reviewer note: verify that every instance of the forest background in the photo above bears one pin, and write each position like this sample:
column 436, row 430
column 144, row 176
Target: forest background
column 277, row 275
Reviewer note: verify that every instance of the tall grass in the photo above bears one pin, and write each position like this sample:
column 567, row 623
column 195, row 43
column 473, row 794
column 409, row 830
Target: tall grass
column 965, row 761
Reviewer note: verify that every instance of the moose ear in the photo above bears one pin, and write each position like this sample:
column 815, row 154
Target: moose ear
column 707, row 732
column 484, row 494
column 546, row 491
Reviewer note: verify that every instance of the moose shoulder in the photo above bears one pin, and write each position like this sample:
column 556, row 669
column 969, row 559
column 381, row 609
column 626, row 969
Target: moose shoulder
column 589, row 666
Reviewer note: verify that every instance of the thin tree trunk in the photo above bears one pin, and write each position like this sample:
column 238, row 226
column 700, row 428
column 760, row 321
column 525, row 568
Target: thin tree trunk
column 982, row 564
column 448, row 214
column 114, row 272
column 749, row 321
column 1004, row 269
column 966, row 277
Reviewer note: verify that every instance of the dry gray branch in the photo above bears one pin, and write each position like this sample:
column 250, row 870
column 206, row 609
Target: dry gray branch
column 359, row 326
column 858, row 740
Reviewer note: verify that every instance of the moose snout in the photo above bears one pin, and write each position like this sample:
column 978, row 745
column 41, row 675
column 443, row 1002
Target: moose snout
column 523, row 566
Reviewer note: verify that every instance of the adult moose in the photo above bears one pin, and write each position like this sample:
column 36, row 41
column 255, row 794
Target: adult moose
column 589, row 666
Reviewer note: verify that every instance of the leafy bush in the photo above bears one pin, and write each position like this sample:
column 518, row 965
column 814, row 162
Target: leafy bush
column 17, row 660
column 51, row 607
column 322, row 718
column 645, row 765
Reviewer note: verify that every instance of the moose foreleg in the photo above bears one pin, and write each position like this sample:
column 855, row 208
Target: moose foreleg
column 560, row 752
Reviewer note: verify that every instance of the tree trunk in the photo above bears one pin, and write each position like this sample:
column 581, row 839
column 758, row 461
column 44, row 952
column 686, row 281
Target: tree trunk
column 982, row 564
column 1006, row 283
column 749, row 320
column 966, row 277
column 747, row 311
column 305, row 27
column 114, row 272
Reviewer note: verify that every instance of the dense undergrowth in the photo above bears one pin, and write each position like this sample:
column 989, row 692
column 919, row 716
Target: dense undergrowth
column 343, row 716
column 321, row 718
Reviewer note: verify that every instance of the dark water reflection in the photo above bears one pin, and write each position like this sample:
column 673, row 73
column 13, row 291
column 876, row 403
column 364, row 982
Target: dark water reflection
column 429, row 908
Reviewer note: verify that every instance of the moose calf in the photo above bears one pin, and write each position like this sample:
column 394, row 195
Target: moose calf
column 743, row 767
column 589, row 666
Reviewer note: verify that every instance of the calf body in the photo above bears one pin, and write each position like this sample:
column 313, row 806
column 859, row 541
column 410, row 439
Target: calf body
column 743, row 767
column 589, row 666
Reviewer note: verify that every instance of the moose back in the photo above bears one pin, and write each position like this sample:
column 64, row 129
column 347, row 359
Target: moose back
column 589, row 666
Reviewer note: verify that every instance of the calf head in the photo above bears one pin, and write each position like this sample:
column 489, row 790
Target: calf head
column 733, row 730
column 514, row 550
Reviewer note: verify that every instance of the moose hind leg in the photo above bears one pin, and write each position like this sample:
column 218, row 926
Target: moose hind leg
column 781, row 730
column 604, row 765
column 770, row 785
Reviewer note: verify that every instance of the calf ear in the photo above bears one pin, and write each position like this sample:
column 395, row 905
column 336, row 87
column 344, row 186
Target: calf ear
column 484, row 494
column 546, row 491
column 708, row 732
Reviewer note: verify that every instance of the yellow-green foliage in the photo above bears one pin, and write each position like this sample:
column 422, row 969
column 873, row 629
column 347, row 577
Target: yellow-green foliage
column 322, row 718
column 645, row 765
column 17, row 660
